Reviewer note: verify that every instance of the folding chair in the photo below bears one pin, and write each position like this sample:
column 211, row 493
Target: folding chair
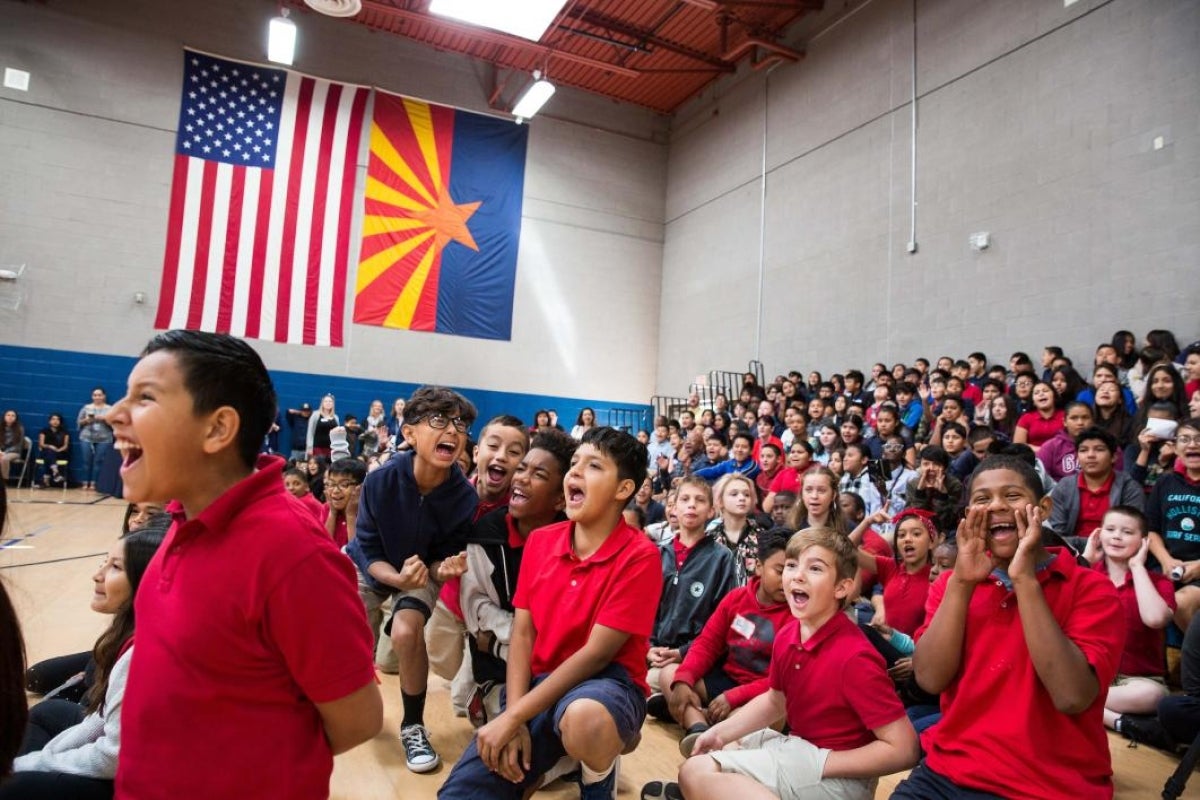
column 26, row 452
column 61, row 464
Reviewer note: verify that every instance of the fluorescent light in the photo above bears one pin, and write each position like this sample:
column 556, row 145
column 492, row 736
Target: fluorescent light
column 528, row 19
column 281, row 40
column 534, row 98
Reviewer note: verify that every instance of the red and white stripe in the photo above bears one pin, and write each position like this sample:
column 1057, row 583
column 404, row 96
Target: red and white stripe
column 263, row 253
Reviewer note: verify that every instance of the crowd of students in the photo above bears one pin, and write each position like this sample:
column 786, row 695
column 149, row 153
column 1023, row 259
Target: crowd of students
column 820, row 583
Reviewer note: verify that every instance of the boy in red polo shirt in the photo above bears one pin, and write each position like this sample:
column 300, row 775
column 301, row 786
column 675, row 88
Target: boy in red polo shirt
column 1119, row 549
column 297, row 486
column 343, row 484
column 585, row 600
column 842, row 736
column 1021, row 642
column 253, row 662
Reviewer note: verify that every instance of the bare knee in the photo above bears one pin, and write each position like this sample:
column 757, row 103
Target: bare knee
column 408, row 630
column 589, row 733
column 693, row 773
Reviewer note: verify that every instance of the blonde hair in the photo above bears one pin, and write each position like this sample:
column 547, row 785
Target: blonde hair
column 699, row 483
column 798, row 516
column 718, row 490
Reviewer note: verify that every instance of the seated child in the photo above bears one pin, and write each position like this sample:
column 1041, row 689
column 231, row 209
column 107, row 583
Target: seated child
column 297, row 486
column 414, row 514
column 1171, row 511
column 856, row 478
column 697, row 573
column 842, row 737
column 1119, row 548
column 741, row 460
column 782, row 506
column 1019, row 643
column 343, row 484
column 735, row 526
column 576, row 677
column 494, row 549
column 726, row 666
column 1058, row 454
column 1080, row 501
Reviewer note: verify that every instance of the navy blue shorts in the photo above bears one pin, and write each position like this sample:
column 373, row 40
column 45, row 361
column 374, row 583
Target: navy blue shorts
column 611, row 687
column 925, row 784
column 718, row 682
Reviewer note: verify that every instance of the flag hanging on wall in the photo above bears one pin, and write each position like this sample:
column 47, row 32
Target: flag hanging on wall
column 258, row 237
column 442, row 219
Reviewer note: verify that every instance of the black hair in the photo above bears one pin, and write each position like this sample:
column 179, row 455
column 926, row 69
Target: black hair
column 934, row 454
column 625, row 450
column 773, row 446
column 352, row 468
column 1012, row 458
column 1165, row 341
column 1096, row 433
column 1054, row 350
column 1075, row 385
column 860, row 505
column 222, row 370
column 978, row 356
column 773, row 541
column 637, row 511
column 962, row 363
column 907, row 387
column 855, row 375
column 139, row 547
column 993, row 383
column 980, row 433
column 861, row 447
column 430, row 400
column 958, row 400
column 958, row 427
column 293, row 472
column 854, row 420
column 509, row 421
column 743, row 435
column 1119, row 340
column 557, row 444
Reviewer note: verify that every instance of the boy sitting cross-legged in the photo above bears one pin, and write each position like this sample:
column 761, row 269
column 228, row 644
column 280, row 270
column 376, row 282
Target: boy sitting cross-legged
column 576, row 677
column 1021, row 642
column 726, row 666
column 494, row 550
column 847, row 725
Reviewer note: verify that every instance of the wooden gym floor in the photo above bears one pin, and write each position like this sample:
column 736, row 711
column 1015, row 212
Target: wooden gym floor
column 54, row 543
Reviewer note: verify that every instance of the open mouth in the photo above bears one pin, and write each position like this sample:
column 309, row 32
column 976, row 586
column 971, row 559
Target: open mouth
column 1002, row 531
column 798, row 598
column 575, row 495
column 908, row 551
column 447, row 449
column 517, row 498
column 496, row 474
column 129, row 451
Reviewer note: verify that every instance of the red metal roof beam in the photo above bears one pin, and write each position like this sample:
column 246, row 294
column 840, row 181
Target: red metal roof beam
column 495, row 37
column 777, row 52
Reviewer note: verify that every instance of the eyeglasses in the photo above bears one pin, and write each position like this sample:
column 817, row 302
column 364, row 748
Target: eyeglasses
column 440, row 421
column 1187, row 440
column 340, row 487
column 893, row 447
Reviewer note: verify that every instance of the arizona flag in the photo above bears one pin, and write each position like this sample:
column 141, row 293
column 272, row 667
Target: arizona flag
column 441, row 221
column 259, row 231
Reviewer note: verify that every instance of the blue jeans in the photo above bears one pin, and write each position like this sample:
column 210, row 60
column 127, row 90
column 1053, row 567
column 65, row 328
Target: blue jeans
column 93, row 457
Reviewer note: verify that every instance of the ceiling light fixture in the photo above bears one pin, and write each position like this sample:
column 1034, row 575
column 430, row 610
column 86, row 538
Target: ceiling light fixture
column 528, row 19
column 281, row 39
column 534, row 98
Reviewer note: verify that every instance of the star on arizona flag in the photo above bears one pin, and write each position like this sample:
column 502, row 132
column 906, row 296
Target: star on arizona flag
column 442, row 220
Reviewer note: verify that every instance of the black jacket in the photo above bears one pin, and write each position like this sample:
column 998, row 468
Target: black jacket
column 690, row 595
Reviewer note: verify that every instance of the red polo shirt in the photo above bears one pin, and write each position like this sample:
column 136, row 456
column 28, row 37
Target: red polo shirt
column 836, row 686
column 787, row 480
column 904, row 594
column 618, row 587
column 1093, row 505
column 341, row 532
column 1145, row 652
column 1041, row 430
column 1000, row 732
column 312, row 505
column 247, row 617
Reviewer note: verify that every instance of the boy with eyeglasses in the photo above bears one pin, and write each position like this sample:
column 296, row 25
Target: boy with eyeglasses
column 413, row 518
column 1172, row 511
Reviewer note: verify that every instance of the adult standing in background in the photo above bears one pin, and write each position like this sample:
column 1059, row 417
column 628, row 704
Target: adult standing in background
column 583, row 423
column 95, row 434
column 323, row 420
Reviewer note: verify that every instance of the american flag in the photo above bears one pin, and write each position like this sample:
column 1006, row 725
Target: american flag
column 258, row 237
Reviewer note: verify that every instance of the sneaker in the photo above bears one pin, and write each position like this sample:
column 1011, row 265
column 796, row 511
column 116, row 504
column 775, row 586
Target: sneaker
column 418, row 752
column 688, row 742
column 476, row 708
column 600, row 790
column 657, row 707
column 661, row 790
column 564, row 768
column 1145, row 729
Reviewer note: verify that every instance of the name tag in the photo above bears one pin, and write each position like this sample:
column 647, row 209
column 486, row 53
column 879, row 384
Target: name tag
column 742, row 626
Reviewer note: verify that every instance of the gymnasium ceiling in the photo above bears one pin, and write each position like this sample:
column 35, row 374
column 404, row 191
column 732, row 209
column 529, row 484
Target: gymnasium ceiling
column 652, row 53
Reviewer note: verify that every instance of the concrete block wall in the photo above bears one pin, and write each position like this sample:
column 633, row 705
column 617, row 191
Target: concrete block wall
column 85, row 170
column 1036, row 123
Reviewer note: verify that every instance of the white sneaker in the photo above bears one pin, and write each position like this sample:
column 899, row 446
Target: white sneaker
column 418, row 752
